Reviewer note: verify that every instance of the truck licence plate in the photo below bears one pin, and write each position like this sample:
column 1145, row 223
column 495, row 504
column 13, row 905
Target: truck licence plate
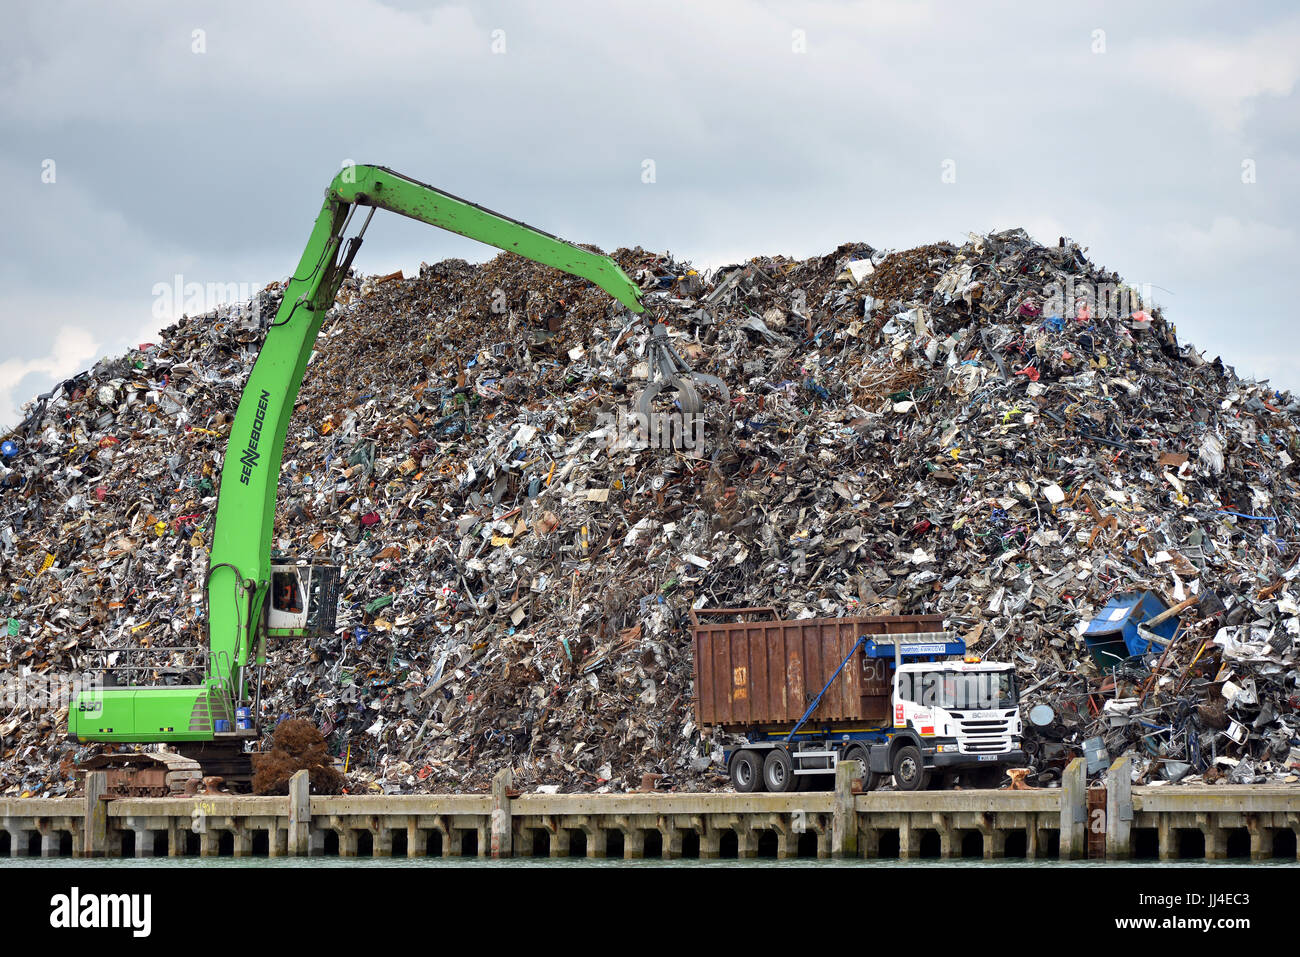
column 988, row 757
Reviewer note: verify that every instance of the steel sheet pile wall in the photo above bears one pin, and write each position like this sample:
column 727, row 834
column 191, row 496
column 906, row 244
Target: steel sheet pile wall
column 761, row 671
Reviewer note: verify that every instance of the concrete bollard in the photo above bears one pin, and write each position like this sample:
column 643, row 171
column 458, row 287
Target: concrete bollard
column 501, row 827
column 844, row 824
column 1119, row 809
column 299, row 844
column 95, row 827
column 1074, row 811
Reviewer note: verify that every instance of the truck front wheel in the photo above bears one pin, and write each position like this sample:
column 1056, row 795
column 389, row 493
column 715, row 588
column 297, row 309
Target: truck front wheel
column 747, row 772
column 910, row 773
column 778, row 771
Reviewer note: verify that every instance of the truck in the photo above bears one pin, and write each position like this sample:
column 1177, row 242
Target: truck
column 898, row 694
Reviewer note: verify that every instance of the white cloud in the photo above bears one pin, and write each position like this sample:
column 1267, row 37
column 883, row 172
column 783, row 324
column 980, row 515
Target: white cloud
column 74, row 347
column 1228, row 239
column 1222, row 75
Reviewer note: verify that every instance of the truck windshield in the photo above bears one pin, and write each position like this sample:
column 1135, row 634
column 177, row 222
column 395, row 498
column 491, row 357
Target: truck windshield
column 959, row 690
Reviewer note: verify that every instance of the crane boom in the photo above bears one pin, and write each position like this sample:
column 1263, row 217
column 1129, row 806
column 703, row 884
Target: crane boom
column 239, row 576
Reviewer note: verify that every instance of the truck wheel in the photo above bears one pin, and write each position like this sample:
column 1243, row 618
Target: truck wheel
column 747, row 772
column 910, row 773
column 870, row 779
column 778, row 772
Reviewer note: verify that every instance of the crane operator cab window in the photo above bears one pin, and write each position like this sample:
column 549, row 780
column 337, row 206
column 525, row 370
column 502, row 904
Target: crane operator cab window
column 304, row 600
column 287, row 611
column 286, row 592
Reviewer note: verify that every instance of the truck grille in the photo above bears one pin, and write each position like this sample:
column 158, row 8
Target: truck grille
column 986, row 735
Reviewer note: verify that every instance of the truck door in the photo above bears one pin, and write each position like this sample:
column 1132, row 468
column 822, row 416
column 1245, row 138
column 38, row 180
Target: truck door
column 915, row 698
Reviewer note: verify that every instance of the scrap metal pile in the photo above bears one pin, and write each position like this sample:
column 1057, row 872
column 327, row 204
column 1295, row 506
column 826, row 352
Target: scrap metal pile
column 999, row 432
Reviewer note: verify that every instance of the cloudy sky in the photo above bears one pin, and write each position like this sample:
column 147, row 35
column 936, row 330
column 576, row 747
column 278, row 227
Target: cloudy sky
column 145, row 141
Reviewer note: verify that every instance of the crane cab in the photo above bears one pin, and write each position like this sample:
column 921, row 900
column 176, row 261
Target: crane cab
column 303, row 600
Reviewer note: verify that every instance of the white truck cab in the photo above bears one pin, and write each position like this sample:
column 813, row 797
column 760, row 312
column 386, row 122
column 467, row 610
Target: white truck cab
column 959, row 707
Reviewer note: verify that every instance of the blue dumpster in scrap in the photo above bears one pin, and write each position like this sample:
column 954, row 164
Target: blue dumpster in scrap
column 1113, row 635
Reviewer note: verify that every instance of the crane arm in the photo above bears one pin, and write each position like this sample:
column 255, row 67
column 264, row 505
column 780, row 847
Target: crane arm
column 385, row 189
column 239, row 568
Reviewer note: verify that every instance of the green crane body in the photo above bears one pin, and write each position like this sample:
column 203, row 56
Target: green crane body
column 240, row 573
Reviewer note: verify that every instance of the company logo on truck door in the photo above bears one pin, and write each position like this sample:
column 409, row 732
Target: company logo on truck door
column 249, row 459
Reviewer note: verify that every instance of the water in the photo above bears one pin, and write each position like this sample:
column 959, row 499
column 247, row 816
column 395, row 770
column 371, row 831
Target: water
column 403, row 863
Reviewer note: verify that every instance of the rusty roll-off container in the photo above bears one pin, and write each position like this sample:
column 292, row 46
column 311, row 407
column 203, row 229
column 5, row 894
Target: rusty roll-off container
column 763, row 673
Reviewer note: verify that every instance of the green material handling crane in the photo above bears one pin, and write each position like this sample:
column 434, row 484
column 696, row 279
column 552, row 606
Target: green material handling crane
column 247, row 596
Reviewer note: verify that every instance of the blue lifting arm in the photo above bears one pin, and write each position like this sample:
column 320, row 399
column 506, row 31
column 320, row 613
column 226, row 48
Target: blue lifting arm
column 818, row 700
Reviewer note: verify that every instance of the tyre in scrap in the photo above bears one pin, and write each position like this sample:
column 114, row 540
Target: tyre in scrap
column 778, row 771
column 747, row 772
column 910, row 773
